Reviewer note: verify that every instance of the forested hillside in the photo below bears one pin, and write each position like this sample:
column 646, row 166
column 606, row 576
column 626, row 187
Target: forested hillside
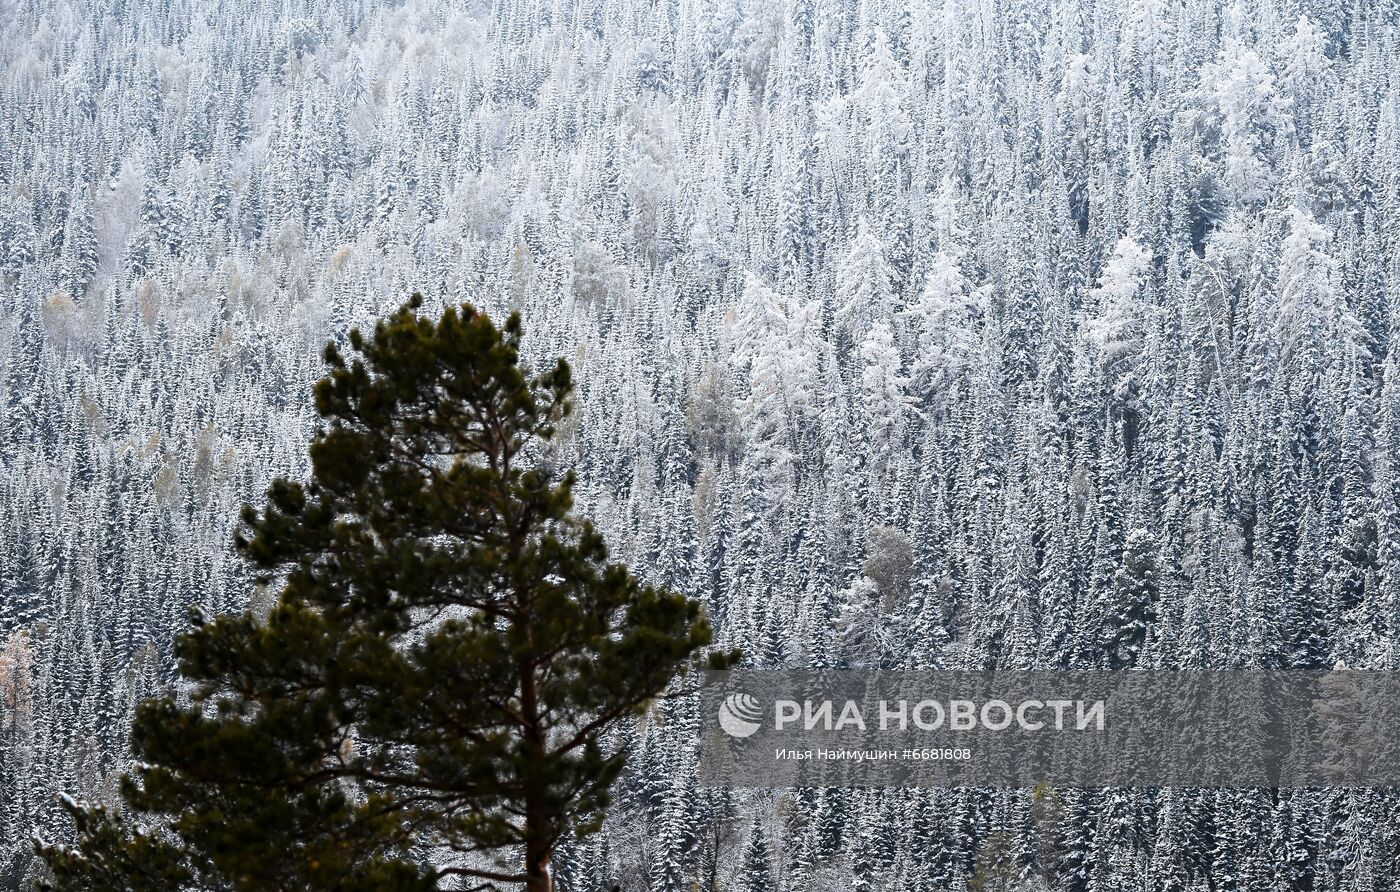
column 956, row 334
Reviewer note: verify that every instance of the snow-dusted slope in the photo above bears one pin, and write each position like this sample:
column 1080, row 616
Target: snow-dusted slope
column 910, row 334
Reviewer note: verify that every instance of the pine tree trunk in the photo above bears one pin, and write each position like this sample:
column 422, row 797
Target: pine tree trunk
column 538, row 876
column 538, row 847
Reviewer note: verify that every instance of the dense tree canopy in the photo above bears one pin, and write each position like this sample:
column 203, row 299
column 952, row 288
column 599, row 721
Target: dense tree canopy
column 448, row 650
column 1091, row 302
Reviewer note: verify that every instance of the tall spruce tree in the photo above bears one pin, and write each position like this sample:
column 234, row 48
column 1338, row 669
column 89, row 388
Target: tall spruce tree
column 440, row 674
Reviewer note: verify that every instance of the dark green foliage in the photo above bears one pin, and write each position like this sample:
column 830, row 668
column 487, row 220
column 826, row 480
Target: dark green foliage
column 448, row 652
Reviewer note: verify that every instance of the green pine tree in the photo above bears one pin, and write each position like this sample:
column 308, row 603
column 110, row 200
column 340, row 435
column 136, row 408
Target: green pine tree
column 432, row 693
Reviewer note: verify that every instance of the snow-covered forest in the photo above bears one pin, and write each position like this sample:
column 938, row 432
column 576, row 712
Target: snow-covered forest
column 965, row 334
